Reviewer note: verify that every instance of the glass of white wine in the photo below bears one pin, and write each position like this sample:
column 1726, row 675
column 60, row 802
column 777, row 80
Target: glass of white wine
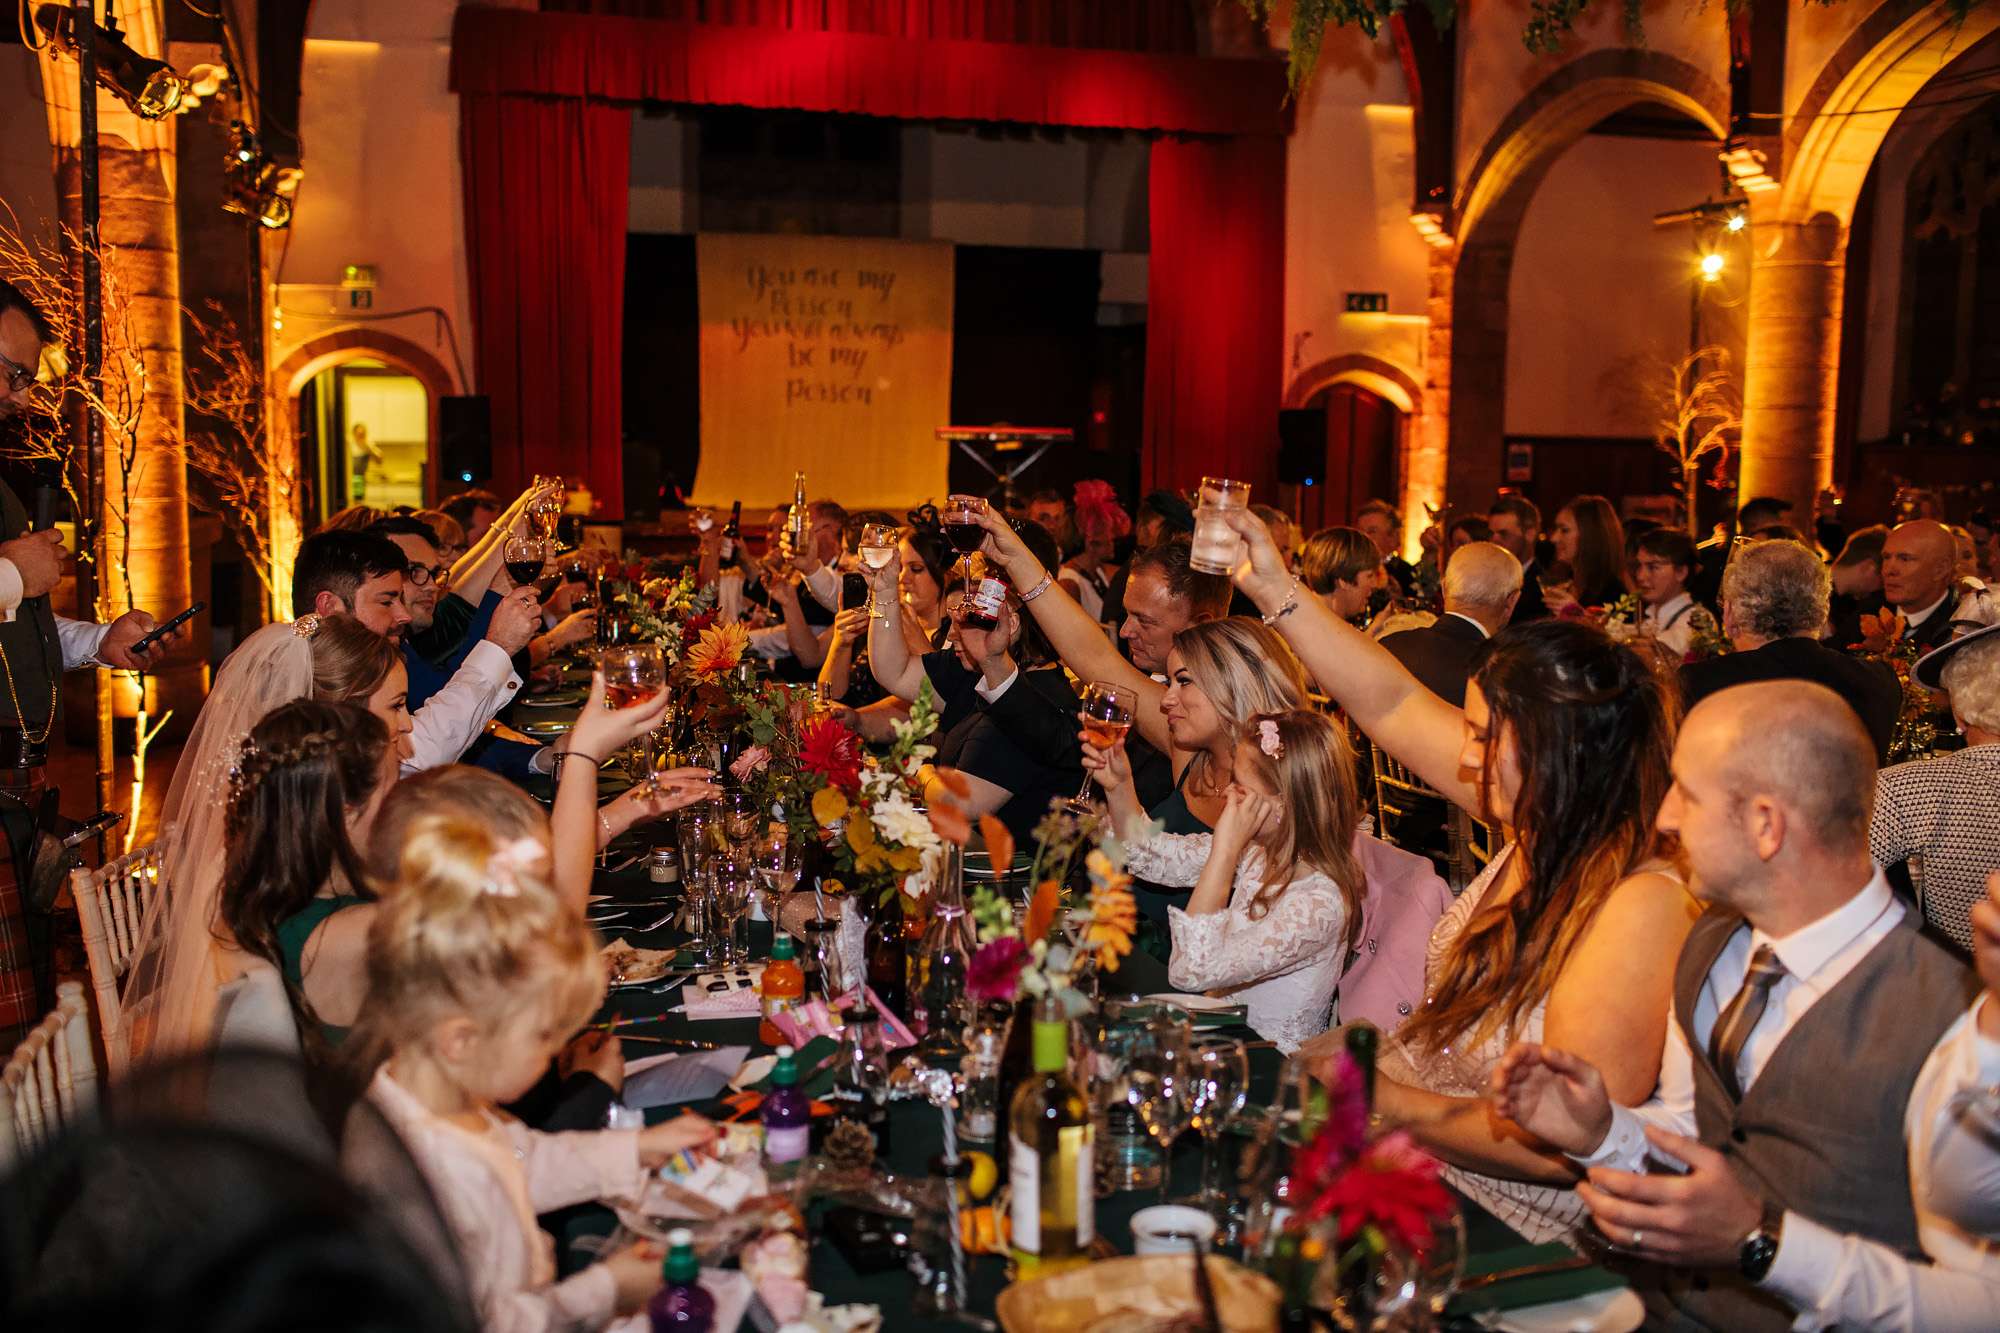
column 1161, row 1084
column 878, row 551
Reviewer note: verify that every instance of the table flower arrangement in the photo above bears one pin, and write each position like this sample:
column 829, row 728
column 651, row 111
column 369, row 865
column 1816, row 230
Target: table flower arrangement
column 1056, row 945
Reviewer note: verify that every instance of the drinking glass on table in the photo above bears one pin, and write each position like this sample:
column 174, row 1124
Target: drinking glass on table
column 779, row 866
column 1218, row 1089
column 734, row 880
column 1106, row 714
column 1216, row 548
column 661, row 757
column 633, row 674
column 743, row 818
column 878, row 551
column 692, row 827
column 1162, row 1075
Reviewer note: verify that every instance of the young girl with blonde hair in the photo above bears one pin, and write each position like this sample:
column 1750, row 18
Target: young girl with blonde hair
column 1276, row 907
column 477, row 974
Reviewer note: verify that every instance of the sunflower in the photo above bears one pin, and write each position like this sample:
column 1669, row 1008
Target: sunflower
column 719, row 648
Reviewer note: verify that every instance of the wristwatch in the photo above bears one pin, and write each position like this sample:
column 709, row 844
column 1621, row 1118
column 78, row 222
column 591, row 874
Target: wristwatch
column 1759, row 1249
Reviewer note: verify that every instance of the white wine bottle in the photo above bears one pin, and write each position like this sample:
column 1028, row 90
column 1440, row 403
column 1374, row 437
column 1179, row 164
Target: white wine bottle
column 795, row 520
column 1049, row 1156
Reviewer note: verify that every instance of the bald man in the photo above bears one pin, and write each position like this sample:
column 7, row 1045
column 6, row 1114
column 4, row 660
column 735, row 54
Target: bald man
column 1482, row 584
column 1918, row 560
column 1817, row 1040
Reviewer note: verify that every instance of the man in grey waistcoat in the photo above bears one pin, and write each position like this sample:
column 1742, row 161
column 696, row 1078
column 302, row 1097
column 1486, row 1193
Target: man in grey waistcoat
column 1818, row 1040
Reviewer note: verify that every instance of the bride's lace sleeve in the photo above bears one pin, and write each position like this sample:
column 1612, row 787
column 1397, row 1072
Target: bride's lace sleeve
column 1229, row 948
column 1173, row 859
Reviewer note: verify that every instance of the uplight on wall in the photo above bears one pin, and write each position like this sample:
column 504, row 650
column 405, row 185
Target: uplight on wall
column 1711, row 266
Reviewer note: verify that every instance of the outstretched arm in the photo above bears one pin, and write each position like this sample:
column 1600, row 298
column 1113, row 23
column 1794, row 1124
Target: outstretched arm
column 1078, row 638
column 889, row 655
column 1377, row 691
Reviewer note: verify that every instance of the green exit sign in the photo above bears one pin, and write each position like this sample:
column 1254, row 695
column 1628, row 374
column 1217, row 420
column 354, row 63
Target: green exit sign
column 1368, row 303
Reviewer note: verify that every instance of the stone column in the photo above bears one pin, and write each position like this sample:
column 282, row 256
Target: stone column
column 1791, row 357
column 1426, row 440
column 1471, row 284
column 145, row 492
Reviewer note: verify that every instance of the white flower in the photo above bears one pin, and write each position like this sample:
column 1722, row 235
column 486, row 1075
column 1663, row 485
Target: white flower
column 901, row 823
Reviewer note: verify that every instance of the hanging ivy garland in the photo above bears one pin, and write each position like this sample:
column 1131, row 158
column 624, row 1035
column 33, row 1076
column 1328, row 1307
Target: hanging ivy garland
column 1549, row 21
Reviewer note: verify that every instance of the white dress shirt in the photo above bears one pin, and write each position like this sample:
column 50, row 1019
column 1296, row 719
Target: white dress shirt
column 1912, row 619
column 1672, row 622
column 454, row 717
column 1828, row 1278
column 80, row 639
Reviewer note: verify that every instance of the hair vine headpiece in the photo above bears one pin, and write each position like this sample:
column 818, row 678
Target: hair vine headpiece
column 1268, row 739
column 925, row 516
column 306, row 625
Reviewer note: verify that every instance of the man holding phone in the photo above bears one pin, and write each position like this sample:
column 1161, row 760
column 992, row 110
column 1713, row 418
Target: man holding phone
column 36, row 647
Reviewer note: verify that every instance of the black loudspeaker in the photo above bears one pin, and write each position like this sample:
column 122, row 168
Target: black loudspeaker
column 465, row 446
column 1301, row 446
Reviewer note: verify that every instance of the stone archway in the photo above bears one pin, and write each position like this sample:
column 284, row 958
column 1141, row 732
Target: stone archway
column 1799, row 237
column 1470, row 281
column 1401, row 389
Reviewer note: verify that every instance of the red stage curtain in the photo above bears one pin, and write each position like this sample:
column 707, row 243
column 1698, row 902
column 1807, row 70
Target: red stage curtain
column 1215, row 312
column 516, row 52
column 1165, row 26
column 546, row 186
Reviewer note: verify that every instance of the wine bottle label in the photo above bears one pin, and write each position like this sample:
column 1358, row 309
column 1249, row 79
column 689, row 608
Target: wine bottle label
column 1073, row 1177
column 1024, row 1209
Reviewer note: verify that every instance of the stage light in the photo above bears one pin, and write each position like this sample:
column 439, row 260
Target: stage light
column 253, row 185
column 151, row 88
column 1737, row 221
column 1711, row 267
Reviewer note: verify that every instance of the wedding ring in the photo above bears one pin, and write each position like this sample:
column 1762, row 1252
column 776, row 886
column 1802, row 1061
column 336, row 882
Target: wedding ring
column 1638, row 1239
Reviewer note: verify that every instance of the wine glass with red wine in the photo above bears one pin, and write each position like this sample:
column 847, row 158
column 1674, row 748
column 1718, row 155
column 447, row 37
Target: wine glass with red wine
column 633, row 673
column 962, row 528
column 524, row 558
column 1106, row 714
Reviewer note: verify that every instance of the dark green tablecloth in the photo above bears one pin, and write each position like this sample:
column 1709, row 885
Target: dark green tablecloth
column 916, row 1135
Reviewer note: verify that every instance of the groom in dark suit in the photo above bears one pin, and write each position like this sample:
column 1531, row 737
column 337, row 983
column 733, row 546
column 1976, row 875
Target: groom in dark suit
column 1481, row 586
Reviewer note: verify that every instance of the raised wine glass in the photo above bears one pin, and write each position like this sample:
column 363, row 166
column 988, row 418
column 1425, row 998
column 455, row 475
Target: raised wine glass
column 661, row 757
column 1218, row 1089
column 1161, row 1078
column 524, row 558
column 633, row 673
column 962, row 529
column 1106, row 714
column 878, row 552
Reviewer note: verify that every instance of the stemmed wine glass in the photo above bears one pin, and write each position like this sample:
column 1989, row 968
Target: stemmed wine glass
column 660, row 754
column 878, row 552
column 962, row 528
column 1106, row 714
column 524, row 558
column 547, row 508
column 742, row 819
column 1217, row 1092
column 779, row 865
column 734, row 880
column 692, row 827
column 1161, row 1084
column 633, row 674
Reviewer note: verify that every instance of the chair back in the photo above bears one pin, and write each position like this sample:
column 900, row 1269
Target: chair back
column 50, row 1082
column 1401, row 796
column 112, row 903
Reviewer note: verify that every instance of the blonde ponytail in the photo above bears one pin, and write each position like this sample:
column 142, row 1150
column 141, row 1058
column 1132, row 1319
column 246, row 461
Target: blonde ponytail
column 473, row 928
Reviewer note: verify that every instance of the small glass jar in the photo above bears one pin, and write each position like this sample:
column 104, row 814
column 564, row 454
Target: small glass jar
column 979, row 1119
column 664, row 866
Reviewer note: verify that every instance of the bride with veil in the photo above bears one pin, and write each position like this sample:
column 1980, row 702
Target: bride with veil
column 183, row 959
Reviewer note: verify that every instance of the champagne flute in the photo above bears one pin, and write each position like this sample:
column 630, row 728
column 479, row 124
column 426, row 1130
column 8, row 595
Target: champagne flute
column 660, row 754
column 878, row 551
column 1217, row 1091
column 633, row 674
column 1161, row 1075
column 1106, row 714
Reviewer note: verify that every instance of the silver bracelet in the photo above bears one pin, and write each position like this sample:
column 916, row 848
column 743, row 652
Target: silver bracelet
column 1291, row 605
column 1040, row 588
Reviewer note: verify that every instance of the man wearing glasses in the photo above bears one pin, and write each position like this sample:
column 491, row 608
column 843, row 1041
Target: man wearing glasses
column 36, row 647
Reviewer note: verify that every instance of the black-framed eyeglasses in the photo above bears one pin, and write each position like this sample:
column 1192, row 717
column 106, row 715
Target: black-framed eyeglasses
column 19, row 377
column 419, row 575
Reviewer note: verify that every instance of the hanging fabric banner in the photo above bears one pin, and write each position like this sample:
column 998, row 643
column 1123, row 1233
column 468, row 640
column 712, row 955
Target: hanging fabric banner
column 831, row 355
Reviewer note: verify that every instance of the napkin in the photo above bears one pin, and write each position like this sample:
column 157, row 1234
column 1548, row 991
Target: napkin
column 680, row 1076
column 701, row 1005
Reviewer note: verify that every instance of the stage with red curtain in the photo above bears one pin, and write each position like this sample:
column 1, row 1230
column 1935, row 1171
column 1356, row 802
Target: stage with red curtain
column 546, row 102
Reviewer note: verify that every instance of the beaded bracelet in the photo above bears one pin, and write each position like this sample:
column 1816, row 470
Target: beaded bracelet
column 1291, row 605
column 1040, row 588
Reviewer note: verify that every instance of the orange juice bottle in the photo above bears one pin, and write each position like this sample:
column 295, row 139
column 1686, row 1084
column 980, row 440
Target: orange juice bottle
column 784, row 989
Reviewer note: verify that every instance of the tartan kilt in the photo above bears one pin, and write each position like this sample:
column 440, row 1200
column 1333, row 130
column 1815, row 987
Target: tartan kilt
column 20, row 990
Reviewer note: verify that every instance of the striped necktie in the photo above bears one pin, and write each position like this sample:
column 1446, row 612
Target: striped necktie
column 1732, row 1030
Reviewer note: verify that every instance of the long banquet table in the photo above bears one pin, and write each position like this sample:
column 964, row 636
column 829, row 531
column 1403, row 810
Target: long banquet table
column 916, row 1135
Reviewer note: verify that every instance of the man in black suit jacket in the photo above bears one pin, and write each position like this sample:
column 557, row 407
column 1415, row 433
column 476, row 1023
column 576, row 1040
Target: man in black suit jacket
column 1774, row 600
column 1517, row 528
column 1481, row 585
column 1919, row 561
